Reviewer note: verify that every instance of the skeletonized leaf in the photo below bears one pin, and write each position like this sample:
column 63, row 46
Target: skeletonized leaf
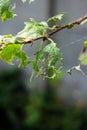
column 56, row 17
column 33, row 29
column 6, row 39
column 78, row 68
column 51, row 57
column 53, row 53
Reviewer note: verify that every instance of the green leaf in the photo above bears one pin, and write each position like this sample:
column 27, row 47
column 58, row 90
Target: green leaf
column 33, row 29
column 35, row 66
column 51, row 72
column 53, row 53
column 56, row 17
column 50, row 60
column 5, row 11
column 69, row 26
column 47, row 62
column 36, row 60
column 9, row 53
column 85, row 43
column 13, row 51
column 23, row 58
column 83, row 59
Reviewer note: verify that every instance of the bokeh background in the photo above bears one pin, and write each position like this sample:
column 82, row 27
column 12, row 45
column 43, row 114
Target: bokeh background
column 45, row 104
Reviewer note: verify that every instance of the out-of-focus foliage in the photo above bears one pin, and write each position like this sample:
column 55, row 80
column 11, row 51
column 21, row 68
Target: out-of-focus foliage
column 13, row 99
column 22, row 110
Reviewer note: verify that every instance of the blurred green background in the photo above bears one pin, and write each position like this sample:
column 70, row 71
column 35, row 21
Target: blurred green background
column 26, row 108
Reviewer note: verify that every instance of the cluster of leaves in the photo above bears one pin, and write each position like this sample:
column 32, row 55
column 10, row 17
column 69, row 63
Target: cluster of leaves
column 5, row 10
column 47, row 60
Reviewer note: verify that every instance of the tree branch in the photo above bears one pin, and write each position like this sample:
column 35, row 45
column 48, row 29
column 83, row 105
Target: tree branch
column 57, row 29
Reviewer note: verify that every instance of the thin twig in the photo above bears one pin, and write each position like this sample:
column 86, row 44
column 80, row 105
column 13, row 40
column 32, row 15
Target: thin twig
column 76, row 22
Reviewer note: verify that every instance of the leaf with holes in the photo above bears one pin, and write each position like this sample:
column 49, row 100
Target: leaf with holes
column 33, row 29
column 56, row 17
column 54, row 54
